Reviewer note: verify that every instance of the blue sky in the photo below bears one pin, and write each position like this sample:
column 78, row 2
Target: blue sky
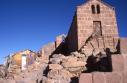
column 29, row 24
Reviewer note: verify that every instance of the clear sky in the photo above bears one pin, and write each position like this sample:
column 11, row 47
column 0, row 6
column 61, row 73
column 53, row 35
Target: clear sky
column 29, row 24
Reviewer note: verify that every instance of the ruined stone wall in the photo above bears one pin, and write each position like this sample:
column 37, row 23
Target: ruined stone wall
column 48, row 49
column 118, row 74
column 85, row 20
column 72, row 37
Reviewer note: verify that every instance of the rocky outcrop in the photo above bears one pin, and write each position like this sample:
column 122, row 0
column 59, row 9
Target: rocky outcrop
column 3, row 71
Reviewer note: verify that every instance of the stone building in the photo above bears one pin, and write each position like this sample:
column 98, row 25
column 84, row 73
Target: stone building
column 94, row 20
column 17, row 57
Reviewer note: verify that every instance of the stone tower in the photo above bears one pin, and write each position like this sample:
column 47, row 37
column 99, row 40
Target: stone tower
column 93, row 21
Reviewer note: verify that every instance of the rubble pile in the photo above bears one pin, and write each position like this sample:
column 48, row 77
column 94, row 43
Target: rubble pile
column 65, row 68
column 55, row 68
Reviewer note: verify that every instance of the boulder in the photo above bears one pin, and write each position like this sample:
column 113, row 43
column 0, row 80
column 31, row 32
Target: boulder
column 74, row 64
column 58, row 56
column 50, row 81
column 72, row 59
column 55, row 60
column 75, row 54
column 75, row 70
column 55, row 66
column 54, row 74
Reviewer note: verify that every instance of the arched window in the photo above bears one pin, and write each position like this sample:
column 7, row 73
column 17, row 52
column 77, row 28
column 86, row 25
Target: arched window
column 98, row 9
column 93, row 9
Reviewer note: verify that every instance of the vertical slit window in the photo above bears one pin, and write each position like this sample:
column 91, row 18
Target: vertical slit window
column 98, row 9
column 93, row 9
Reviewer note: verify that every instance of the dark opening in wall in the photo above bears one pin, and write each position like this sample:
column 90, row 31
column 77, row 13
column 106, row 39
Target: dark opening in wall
column 101, row 62
column 97, row 28
column 98, row 9
column 93, row 9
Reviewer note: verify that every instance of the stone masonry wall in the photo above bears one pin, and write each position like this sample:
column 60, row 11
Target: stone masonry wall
column 85, row 20
column 118, row 74
column 83, row 26
column 72, row 38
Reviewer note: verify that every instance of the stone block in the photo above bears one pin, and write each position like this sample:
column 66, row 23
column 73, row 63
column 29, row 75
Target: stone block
column 123, row 45
column 125, row 63
column 85, row 78
column 99, row 77
column 117, row 63
column 114, row 77
column 125, row 77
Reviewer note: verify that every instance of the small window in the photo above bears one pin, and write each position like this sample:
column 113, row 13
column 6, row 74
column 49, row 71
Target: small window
column 98, row 9
column 93, row 9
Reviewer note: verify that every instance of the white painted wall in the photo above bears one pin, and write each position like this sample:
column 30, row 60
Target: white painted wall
column 24, row 63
